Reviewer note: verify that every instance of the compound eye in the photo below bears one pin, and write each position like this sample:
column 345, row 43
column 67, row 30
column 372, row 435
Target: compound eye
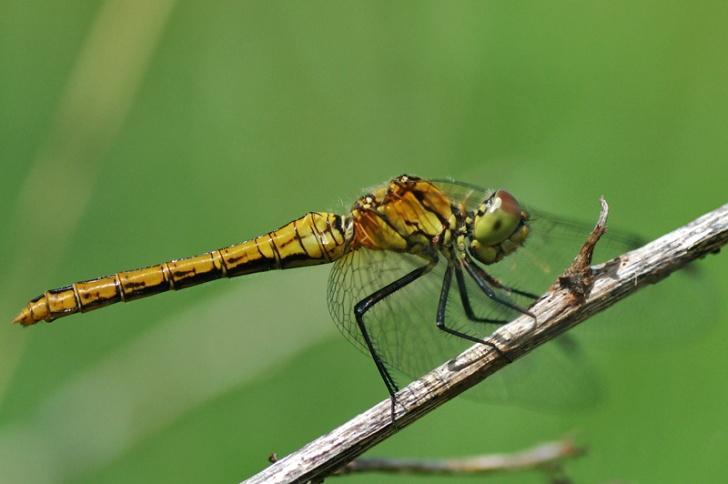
column 500, row 220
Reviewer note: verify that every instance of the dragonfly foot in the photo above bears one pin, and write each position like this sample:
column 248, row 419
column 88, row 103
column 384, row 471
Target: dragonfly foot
column 503, row 354
column 393, row 411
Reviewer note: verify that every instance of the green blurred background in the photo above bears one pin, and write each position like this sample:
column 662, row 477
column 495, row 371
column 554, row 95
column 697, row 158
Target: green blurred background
column 133, row 132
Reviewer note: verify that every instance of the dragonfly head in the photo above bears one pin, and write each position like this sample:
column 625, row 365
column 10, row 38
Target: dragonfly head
column 498, row 228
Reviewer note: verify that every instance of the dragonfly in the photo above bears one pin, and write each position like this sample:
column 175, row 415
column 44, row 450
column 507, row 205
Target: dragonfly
column 420, row 268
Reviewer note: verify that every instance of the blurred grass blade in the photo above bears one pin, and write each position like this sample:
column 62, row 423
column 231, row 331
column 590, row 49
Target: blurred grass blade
column 100, row 91
column 186, row 360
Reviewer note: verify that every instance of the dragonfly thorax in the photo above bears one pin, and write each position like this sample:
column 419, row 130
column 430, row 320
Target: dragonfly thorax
column 497, row 228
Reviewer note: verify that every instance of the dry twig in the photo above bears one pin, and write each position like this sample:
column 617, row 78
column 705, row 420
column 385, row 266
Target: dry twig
column 544, row 456
column 582, row 292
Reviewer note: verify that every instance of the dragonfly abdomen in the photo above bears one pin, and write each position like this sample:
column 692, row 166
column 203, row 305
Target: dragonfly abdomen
column 316, row 238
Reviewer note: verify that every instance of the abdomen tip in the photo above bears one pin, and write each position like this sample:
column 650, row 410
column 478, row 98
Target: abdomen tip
column 24, row 317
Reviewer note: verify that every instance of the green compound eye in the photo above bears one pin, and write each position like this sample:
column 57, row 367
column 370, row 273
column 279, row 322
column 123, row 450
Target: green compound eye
column 499, row 220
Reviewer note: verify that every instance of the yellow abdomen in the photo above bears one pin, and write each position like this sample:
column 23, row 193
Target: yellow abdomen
column 315, row 238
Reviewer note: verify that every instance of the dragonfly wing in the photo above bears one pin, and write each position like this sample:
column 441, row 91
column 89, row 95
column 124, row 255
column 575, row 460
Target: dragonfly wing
column 553, row 377
column 643, row 320
column 402, row 328
column 470, row 196
column 550, row 247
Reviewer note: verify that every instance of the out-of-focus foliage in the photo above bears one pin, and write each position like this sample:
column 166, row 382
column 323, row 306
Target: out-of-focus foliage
column 135, row 132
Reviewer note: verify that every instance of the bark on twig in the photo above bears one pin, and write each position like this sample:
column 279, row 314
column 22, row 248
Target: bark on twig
column 557, row 311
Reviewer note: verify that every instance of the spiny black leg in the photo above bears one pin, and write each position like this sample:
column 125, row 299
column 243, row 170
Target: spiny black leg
column 481, row 279
column 365, row 305
column 496, row 283
column 440, row 321
column 465, row 300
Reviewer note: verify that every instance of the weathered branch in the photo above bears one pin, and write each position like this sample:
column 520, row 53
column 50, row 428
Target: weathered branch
column 556, row 312
column 547, row 456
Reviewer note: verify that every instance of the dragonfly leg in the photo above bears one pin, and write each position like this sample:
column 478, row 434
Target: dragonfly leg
column 465, row 300
column 481, row 279
column 496, row 283
column 440, row 321
column 366, row 304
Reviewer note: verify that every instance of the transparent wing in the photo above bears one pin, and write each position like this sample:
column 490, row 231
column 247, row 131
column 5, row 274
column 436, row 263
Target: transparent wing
column 402, row 328
column 460, row 192
column 556, row 375
column 643, row 320
column 550, row 247
column 649, row 319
